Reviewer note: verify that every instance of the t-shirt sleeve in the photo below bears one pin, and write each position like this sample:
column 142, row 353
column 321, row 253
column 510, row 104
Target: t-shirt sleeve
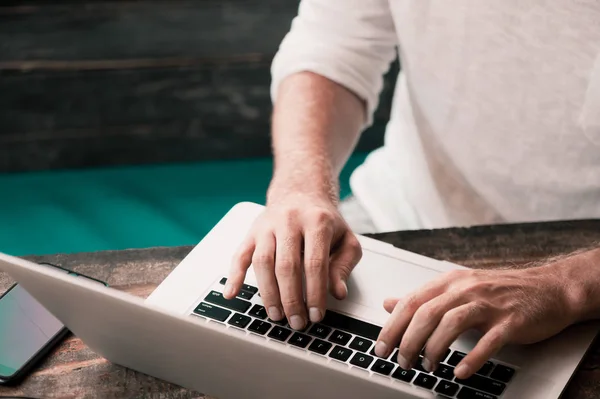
column 351, row 42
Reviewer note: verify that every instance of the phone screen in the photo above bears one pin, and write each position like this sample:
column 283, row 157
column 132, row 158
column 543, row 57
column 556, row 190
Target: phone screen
column 25, row 328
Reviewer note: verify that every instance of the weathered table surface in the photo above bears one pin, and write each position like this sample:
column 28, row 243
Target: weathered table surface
column 73, row 371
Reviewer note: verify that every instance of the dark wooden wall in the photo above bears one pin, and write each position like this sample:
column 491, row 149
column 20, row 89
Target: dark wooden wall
column 95, row 83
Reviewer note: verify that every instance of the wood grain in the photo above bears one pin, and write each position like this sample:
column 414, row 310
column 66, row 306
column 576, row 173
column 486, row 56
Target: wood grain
column 73, row 371
column 107, row 83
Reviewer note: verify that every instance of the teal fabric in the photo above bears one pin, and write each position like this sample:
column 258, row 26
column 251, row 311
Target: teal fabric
column 127, row 207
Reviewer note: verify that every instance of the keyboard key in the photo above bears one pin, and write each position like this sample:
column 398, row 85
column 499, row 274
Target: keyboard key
column 483, row 384
column 223, row 281
column 425, row 380
column 486, row 368
column 468, row 393
column 340, row 353
column 361, row 360
column 249, row 288
column 279, row 333
column 351, row 325
column 446, row 388
column 282, row 322
column 383, row 367
column 502, row 373
column 419, row 365
column 456, row 358
column 212, row 312
column 259, row 327
column 320, row 347
column 239, row 305
column 360, row 344
column 339, row 337
column 394, row 357
column 445, row 372
column 372, row 352
column 404, row 375
column 258, row 311
column 319, row 331
column 245, row 295
column 239, row 320
column 299, row 340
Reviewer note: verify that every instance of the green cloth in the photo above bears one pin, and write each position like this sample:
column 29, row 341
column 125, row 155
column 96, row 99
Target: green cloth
column 127, row 207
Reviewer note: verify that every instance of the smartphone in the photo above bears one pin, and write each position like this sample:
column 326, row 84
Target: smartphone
column 28, row 332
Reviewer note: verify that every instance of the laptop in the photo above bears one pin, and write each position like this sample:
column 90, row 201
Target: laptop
column 186, row 333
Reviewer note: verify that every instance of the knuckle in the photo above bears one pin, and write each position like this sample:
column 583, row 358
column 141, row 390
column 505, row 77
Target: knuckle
column 411, row 304
column 314, row 266
column 427, row 312
column 291, row 303
column 321, row 217
column 286, row 267
column 263, row 260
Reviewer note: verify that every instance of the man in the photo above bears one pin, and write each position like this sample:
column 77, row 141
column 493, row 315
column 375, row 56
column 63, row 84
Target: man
column 496, row 118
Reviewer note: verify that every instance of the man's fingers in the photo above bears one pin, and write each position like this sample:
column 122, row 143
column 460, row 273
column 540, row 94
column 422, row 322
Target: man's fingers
column 400, row 318
column 264, row 269
column 239, row 265
column 486, row 348
column 343, row 261
column 317, row 244
column 390, row 303
column 288, row 270
column 453, row 323
column 423, row 323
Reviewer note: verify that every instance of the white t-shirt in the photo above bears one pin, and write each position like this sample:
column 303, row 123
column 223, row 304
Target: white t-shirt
column 496, row 113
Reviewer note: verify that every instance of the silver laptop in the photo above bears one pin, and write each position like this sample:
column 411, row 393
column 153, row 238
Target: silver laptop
column 186, row 333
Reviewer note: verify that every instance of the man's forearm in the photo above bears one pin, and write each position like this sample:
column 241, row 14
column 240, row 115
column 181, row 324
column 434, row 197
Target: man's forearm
column 316, row 124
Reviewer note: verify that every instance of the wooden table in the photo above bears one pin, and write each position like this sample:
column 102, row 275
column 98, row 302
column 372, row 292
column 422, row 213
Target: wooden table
column 73, row 371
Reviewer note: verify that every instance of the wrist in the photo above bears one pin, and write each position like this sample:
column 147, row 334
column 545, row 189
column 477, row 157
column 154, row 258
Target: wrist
column 316, row 186
column 580, row 279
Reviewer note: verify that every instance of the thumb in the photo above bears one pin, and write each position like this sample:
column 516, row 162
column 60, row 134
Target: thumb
column 390, row 303
column 343, row 261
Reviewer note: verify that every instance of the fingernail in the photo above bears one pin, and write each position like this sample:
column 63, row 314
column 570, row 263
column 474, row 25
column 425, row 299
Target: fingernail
column 274, row 313
column 315, row 315
column 297, row 322
column 461, row 371
column 403, row 362
column 345, row 288
column 381, row 349
column 229, row 290
column 426, row 365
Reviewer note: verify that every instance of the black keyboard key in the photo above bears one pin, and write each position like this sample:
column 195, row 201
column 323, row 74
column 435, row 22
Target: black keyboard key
column 259, row 327
column 239, row 320
column 404, row 375
column 212, row 312
column 372, row 352
column 483, row 384
column 383, row 367
column 299, row 340
column 245, row 295
column 258, row 311
column 445, row 372
column 446, row 388
column 456, row 358
column 361, row 360
column 486, row 368
column 468, row 393
column 425, row 380
column 279, row 333
column 351, row 325
column 249, row 288
column 223, row 281
column 419, row 365
column 340, row 353
column 340, row 337
column 394, row 357
column 360, row 344
column 320, row 347
column 239, row 305
column 445, row 355
column 319, row 331
column 502, row 373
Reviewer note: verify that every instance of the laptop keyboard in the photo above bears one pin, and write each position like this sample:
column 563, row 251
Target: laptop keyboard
column 351, row 341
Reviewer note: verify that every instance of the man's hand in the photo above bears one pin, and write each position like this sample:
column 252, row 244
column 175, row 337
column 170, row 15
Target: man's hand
column 505, row 306
column 301, row 237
